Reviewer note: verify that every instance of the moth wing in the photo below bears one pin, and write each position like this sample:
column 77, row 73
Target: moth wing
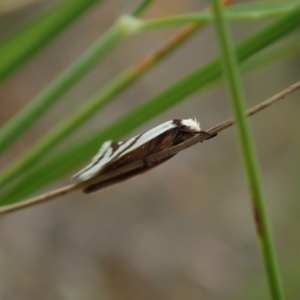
column 140, row 140
column 111, row 151
column 97, row 163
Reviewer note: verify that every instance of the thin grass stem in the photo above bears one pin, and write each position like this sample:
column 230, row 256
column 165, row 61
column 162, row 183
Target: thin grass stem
column 247, row 149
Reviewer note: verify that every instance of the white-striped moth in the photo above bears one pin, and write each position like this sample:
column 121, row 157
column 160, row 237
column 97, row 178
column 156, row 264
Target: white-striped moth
column 113, row 155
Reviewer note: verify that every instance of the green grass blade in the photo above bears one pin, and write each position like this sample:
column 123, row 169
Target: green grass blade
column 33, row 111
column 284, row 51
column 238, row 12
column 141, row 7
column 230, row 64
column 31, row 37
column 64, row 162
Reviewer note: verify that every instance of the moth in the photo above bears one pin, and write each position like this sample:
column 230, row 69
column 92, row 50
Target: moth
column 113, row 155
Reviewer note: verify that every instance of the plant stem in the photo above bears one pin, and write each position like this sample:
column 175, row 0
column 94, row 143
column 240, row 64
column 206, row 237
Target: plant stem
column 229, row 61
column 156, row 157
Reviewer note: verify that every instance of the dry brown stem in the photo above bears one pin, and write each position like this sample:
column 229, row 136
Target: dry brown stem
column 155, row 157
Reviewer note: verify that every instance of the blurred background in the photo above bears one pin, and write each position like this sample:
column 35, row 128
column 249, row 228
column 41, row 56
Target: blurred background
column 182, row 231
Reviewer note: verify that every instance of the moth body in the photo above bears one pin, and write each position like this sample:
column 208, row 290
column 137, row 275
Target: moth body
column 113, row 155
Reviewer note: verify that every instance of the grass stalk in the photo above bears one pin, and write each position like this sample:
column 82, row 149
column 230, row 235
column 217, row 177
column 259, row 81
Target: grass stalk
column 241, row 12
column 230, row 65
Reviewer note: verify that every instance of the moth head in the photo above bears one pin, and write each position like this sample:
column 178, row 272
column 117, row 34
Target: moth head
column 187, row 129
column 188, row 125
